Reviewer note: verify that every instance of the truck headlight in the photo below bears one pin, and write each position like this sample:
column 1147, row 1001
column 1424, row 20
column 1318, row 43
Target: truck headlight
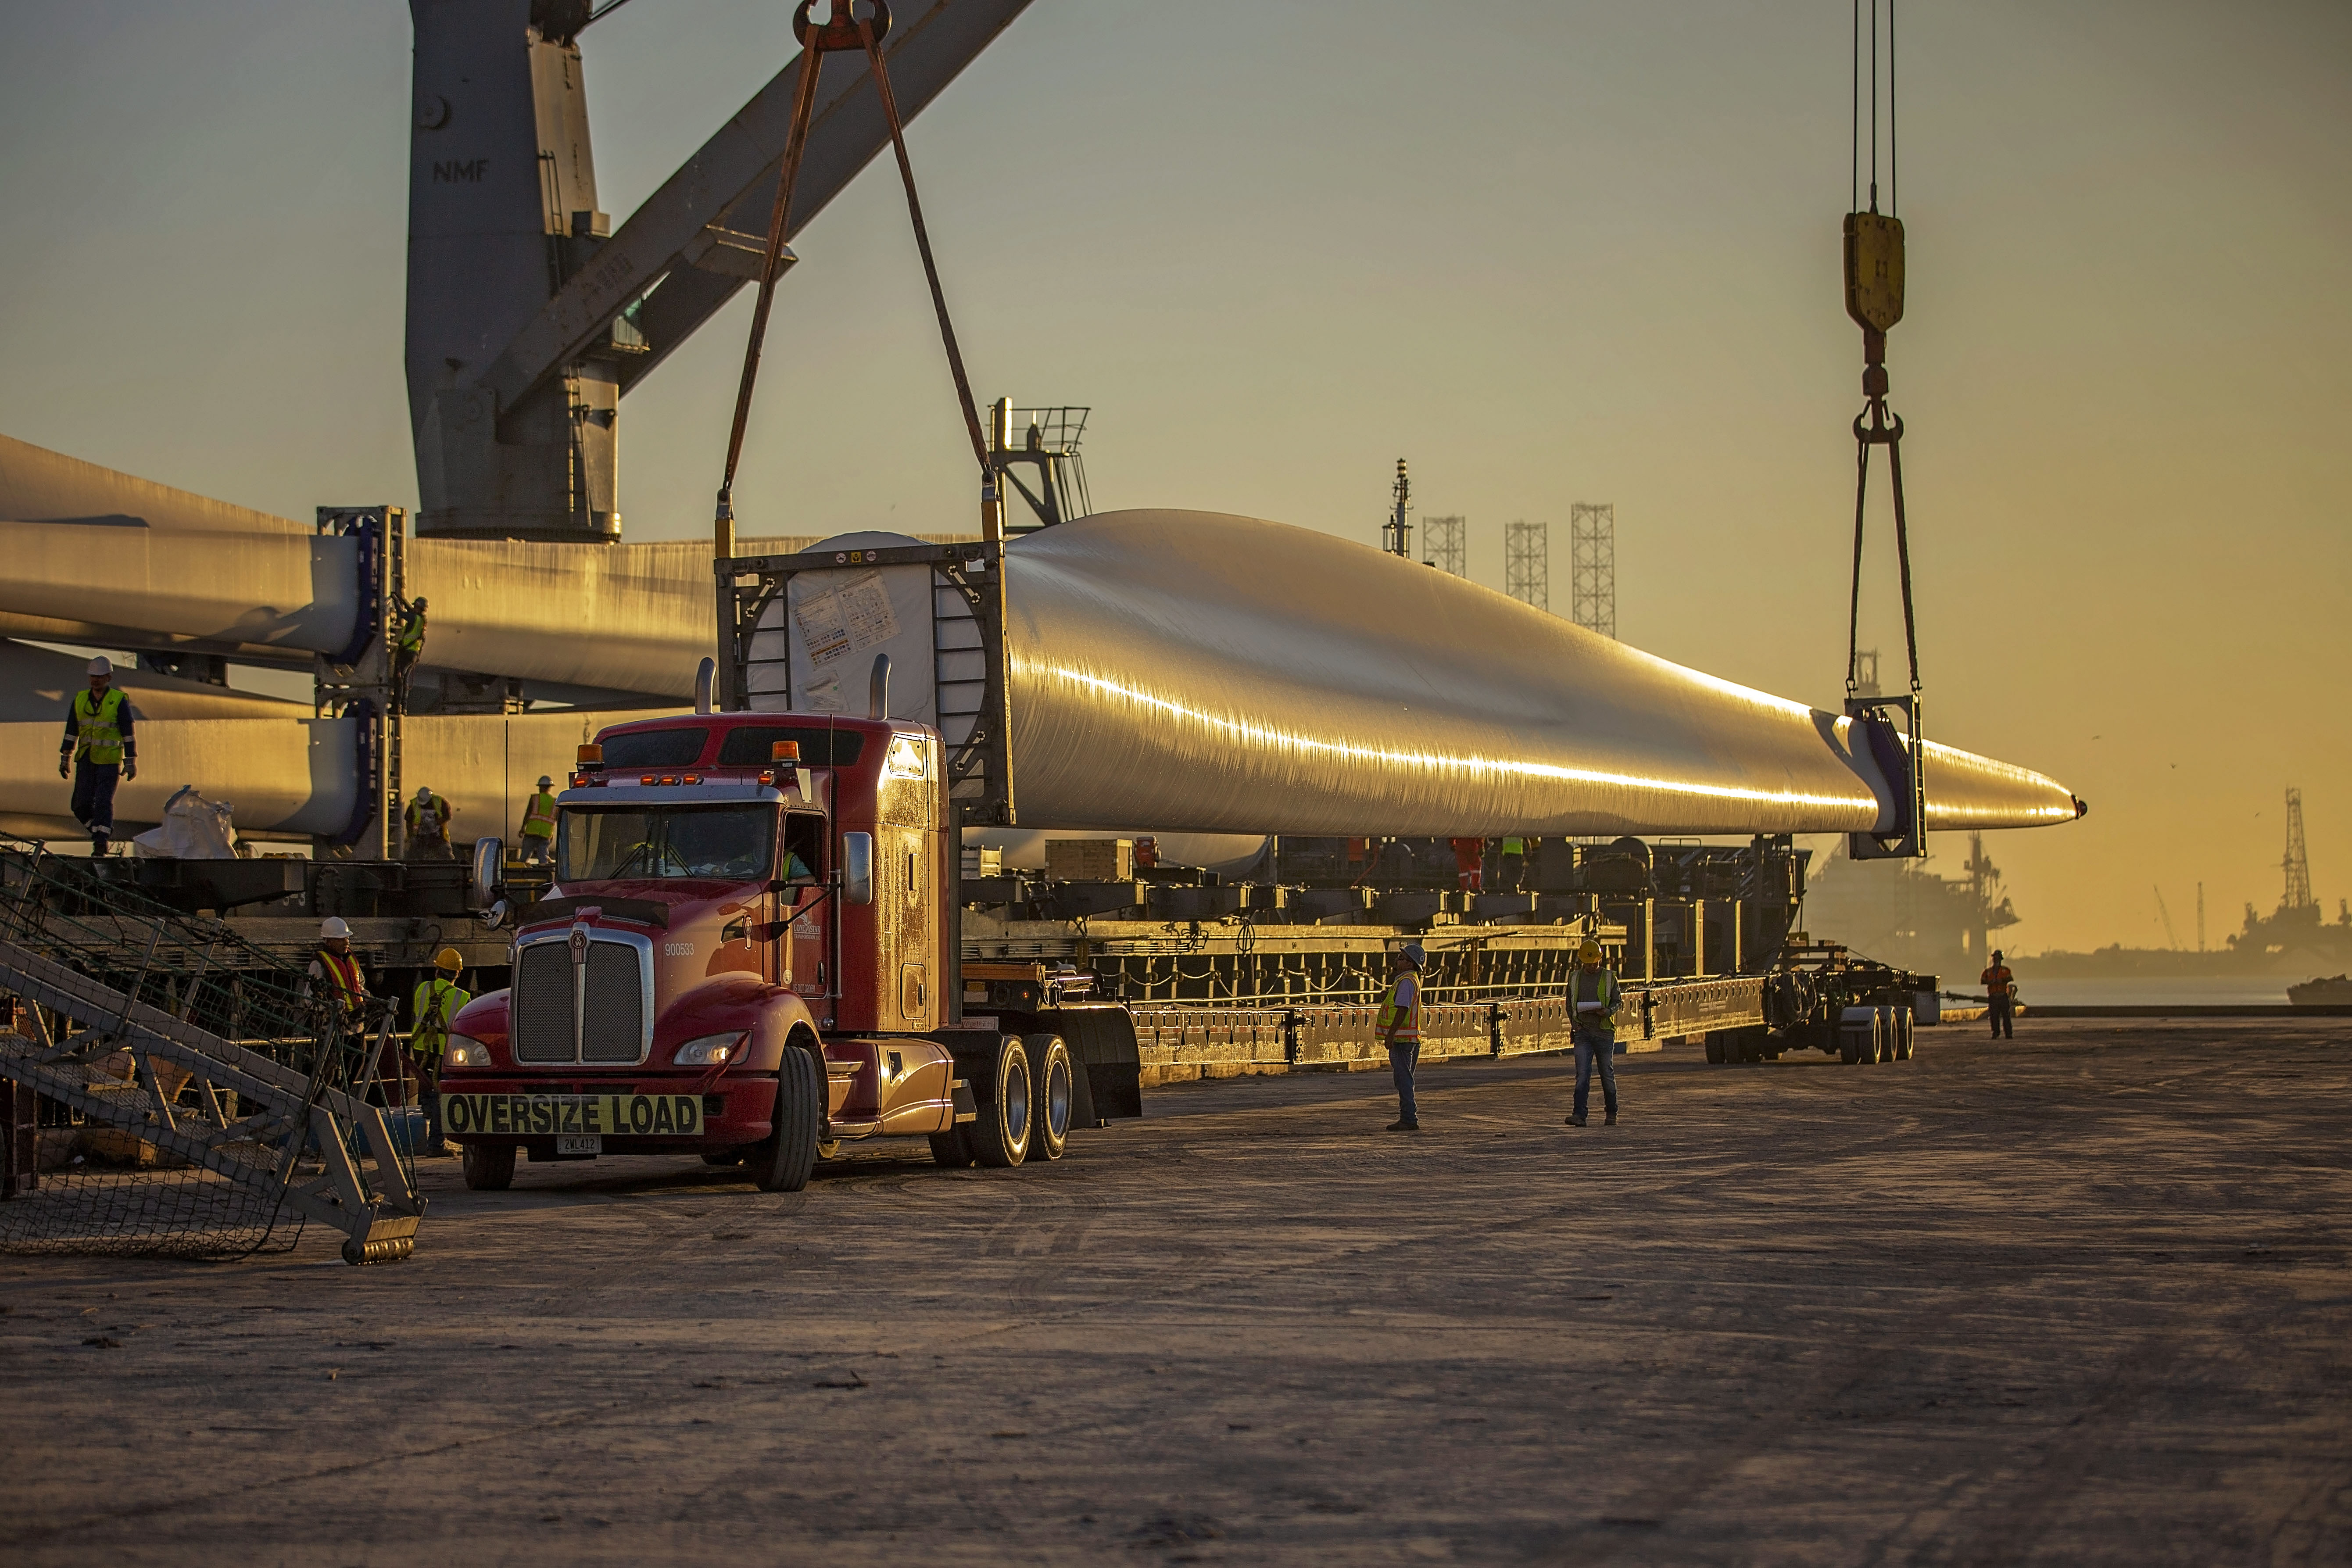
column 710, row 1050
column 465, row 1051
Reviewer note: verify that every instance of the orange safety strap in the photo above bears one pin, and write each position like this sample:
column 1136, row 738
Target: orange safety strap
column 843, row 30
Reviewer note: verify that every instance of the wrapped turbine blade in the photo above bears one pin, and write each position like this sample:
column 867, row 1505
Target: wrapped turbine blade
column 1191, row 671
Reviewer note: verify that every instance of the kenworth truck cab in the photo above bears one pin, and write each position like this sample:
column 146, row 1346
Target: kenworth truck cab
column 750, row 951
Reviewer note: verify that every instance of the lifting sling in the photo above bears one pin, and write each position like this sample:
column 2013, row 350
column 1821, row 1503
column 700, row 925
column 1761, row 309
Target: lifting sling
column 845, row 30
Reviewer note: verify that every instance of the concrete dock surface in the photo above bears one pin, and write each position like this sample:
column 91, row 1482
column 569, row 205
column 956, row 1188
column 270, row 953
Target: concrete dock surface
column 2077, row 1298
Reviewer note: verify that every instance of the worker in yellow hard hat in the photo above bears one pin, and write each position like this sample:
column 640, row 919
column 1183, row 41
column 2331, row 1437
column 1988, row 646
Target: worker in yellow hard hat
column 1592, row 1002
column 438, row 1001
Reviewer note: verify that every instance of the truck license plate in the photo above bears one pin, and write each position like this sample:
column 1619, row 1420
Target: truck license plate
column 589, row 1116
column 580, row 1144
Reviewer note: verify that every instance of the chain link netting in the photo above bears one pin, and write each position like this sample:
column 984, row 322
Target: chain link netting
column 96, row 1185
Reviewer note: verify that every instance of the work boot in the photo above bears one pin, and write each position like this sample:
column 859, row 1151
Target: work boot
column 1576, row 1122
column 1404, row 1126
column 1609, row 1119
column 98, row 846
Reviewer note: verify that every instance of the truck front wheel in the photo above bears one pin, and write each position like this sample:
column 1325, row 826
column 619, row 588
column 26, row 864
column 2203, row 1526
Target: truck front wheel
column 1001, row 1135
column 1049, row 1111
column 782, row 1162
column 489, row 1169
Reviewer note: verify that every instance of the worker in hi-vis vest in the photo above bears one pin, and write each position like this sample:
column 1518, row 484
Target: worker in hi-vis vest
column 407, row 645
column 426, row 823
column 539, row 825
column 2000, row 998
column 98, row 750
column 334, row 975
column 1592, row 999
column 436, row 1002
column 1400, row 1030
column 1513, row 863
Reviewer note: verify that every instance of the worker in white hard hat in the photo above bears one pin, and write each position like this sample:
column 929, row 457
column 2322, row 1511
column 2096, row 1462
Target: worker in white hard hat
column 1593, row 1000
column 335, row 973
column 436, row 1002
column 427, row 821
column 538, row 825
column 98, row 750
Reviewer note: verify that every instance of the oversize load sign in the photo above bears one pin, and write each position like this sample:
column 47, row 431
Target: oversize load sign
column 661, row 1115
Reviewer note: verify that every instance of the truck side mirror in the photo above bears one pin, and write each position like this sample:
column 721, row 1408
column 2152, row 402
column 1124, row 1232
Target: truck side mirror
column 857, row 867
column 490, row 869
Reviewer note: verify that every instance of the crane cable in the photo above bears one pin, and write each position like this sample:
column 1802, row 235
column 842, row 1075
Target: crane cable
column 1874, row 280
column 843, row 30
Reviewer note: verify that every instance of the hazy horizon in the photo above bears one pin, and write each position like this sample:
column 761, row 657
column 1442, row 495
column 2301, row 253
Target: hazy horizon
column 1547, row 253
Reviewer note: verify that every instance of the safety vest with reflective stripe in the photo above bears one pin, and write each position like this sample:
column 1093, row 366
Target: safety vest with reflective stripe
column 1514, row 847
column 412, row 633
column 427, row 819
column 435, row 1003
column 98, row 726
column 344, row 971
column 539, row 819
column 1595, row 986
column 1402, row 1013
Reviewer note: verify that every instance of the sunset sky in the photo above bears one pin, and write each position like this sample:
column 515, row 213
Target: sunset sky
column 1548, row 252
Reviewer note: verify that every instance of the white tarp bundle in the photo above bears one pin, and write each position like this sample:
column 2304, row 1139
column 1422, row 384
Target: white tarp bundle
column 194, row 829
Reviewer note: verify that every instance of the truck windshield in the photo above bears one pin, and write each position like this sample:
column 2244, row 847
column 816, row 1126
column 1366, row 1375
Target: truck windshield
column 598, row 844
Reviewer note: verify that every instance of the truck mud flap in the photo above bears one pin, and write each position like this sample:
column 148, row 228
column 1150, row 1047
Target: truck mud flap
column 1102, row 1046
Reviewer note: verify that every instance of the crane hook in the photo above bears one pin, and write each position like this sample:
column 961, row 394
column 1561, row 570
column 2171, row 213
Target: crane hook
column 840, row 30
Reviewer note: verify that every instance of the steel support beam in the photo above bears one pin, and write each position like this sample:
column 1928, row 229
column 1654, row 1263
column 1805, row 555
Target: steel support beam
column 690, row 237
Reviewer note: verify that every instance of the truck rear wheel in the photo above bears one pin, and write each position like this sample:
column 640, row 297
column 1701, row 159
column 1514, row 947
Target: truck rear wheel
column 1000, row 1137
column 489, row 1168
column 782, row 1162
column 1903, row 1026
column 1049, row 1112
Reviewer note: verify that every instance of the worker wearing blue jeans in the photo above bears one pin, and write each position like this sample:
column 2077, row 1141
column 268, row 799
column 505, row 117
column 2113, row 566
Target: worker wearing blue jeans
column 1592, row 1002
column 1400, row 1030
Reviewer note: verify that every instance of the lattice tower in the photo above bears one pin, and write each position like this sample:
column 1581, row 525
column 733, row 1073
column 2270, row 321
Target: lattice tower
column 1527, row 563
column 1593, row 566
column 1443, row 545
column 2296, row 865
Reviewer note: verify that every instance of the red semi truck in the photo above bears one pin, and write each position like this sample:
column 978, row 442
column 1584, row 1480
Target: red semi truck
column 749, row 953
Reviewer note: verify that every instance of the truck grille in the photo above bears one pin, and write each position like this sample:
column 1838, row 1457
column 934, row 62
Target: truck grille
column 544, row 1022
column 543, row 1003
column 614, row 1015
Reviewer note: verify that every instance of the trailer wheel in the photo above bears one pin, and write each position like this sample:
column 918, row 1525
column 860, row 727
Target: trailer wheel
column 1000, row 1137
column 1903, row 1026
column 1051, row 1099
column 1715, row 1053
column 1850, row 1038
column 782, row 1161
column 489, row 1168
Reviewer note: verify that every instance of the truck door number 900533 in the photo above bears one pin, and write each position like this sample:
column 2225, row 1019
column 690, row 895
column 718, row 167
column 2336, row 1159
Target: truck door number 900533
column 677, row 950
